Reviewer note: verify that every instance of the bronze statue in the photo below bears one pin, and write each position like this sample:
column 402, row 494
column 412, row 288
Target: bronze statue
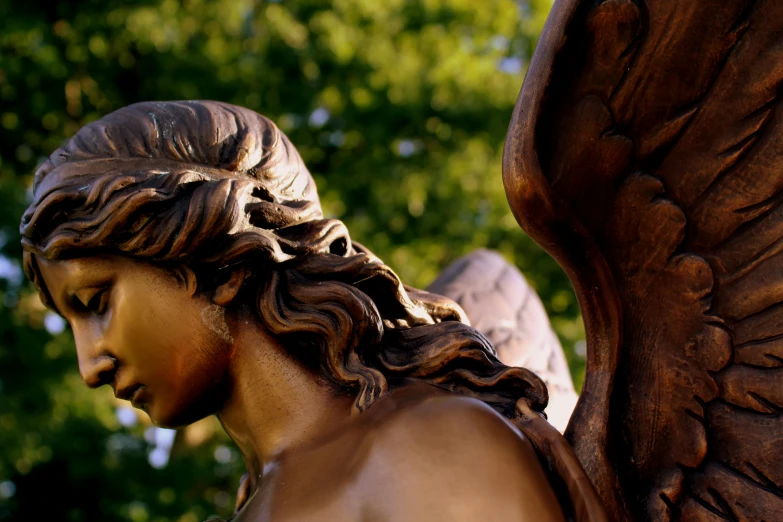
column 185, row 245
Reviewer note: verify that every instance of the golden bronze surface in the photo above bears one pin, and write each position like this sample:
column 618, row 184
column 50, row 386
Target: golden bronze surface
column 184, row 243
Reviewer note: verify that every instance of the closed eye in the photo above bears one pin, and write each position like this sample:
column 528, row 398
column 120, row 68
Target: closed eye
column 93, row 300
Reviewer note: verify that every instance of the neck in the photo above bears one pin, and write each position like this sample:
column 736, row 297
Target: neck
column 274, row 403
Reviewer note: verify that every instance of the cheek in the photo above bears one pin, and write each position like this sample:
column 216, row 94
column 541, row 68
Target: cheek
column 176, row 345
column 196, row 388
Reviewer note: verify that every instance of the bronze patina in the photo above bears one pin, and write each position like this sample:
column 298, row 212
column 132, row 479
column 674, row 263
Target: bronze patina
column 185, row 245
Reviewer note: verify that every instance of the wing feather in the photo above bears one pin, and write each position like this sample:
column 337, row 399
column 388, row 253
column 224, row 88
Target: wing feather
column 646, row 154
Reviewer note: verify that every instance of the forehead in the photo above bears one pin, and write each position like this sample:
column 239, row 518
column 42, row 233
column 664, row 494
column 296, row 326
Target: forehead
column 59, row 272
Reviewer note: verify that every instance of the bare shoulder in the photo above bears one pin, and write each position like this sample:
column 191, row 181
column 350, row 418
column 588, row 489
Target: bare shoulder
column 455, row 458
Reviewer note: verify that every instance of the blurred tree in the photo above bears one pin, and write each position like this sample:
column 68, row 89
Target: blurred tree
column 399, row 108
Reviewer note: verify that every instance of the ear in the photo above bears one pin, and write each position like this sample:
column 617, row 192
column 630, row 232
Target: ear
column 226, row 292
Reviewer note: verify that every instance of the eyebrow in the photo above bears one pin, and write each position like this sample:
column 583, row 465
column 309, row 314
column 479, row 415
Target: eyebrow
column 65, row 296
column 102, row 278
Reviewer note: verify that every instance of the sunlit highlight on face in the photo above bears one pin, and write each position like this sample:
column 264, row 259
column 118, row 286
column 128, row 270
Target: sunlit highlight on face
column 141, row 330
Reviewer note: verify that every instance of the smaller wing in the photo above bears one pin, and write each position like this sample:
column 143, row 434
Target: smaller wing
column 502, row 305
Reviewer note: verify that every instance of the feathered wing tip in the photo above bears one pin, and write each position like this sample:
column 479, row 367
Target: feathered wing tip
column 501, row 304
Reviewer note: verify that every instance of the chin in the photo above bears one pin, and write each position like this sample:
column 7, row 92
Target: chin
column 164, row 416
column 173, row 419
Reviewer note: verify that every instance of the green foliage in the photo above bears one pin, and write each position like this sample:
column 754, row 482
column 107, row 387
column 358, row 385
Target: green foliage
column 399, row 108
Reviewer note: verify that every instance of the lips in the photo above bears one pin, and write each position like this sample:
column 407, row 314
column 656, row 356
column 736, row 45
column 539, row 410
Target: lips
column 135, row 393
column 137, row 397
column 127, row 393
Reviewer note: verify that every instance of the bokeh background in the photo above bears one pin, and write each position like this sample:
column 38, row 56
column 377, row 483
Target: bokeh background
column 399, row 108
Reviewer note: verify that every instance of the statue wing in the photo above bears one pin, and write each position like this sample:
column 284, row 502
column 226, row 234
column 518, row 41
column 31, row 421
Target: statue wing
column 646, row 155
column 502, row 305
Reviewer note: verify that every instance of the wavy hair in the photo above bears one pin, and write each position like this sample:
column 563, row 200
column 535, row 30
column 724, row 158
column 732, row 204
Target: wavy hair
column 211, row 185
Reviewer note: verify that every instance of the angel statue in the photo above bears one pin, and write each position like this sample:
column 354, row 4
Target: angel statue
column 185, row 245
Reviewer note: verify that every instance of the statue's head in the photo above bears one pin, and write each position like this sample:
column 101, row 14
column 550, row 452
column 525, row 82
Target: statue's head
column 199, row 208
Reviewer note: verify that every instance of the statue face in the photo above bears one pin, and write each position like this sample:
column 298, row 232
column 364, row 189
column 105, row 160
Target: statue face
column 145, row 332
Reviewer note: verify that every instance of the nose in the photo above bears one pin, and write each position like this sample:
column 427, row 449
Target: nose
column 96, row 366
